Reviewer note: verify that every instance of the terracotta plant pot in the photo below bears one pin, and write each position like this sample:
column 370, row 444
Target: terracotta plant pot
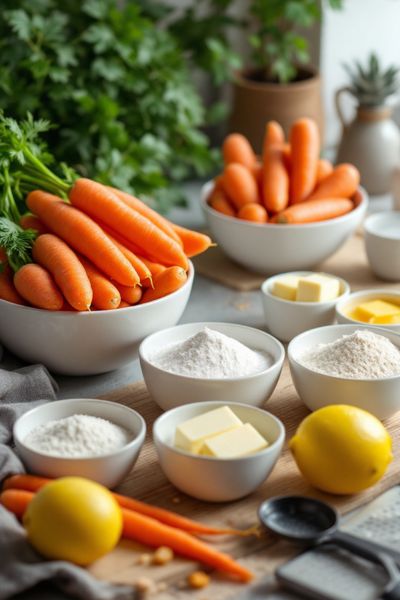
column 256, row 102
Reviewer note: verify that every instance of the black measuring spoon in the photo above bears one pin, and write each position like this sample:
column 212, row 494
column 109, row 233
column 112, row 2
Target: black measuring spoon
column 308, row 521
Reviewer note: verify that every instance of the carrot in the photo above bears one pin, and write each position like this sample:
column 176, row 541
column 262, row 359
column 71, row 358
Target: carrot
column 138, row 263
column 253, row 212
column 275, row 179
column 16, row 501
column 105, row 294
column 31, row 222
column 239, row 185
column 68, row 272
column 83, row 235
column 286, row 156
column 36, row 285
column 145, row 210
column 154, row 268
column 165, row 283
column 219, row 201
column 324, row 168
column 194, row 242
column 274, row 136
column 304, row 142
column 237, row 149
column 124, row 304
column 101, row 203
column 316, row 210
column 341, row 183
column 7, row 287
column 131, row 295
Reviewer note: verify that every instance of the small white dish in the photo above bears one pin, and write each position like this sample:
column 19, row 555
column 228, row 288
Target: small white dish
column 107, row 469
column 378, row 396
column 285, row 318
column 214, row 479
column 382, row 244
column 345, row 305
column 170, row 390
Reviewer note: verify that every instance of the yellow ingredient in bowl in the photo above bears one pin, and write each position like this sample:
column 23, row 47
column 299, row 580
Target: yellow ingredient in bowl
column 191, row 434
column 285, row 287
column 317, row 288
column 240, row 441
column 376, row 312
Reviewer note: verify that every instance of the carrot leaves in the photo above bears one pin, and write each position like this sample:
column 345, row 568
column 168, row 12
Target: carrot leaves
column 16, row 242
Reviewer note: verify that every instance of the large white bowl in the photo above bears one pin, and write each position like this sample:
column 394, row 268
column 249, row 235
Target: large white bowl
column 170, row 390
column 380, row 397
column 87, row 343
column 107, row 469
column 213, row 479
column 270, row 248
column 350, row 302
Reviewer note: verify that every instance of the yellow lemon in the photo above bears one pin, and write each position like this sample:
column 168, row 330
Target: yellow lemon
column 341, row 449
column 73, row 519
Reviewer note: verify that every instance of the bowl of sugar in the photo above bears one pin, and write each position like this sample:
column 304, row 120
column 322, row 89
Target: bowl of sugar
column 210, row 361
column 96, row 439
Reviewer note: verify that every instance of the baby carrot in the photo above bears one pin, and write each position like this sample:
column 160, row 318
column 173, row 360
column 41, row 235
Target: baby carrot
column 341, row 183
column 194, row 242
column 274, row 136
column 219, row 201
column 31, row 222
column 324, row 168
column 275, row 179
column 53, row 254
column 37, row 287
column 83, row 235
column 304, row 142
column 7, row 287
column 101, row 203
column 315, row 210
column 105, row 295
column 239, row 185
column 131, row 295
column 165, row 283
column 237, row 149
column 253, row 212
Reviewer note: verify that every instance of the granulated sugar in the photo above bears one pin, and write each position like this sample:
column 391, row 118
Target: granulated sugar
column 211, row 355
column 361, row 355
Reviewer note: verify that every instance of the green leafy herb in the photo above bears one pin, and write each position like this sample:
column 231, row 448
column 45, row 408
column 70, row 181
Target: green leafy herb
column 16, row 242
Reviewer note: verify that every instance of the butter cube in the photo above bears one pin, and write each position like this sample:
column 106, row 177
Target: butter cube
column 191, row 434
column 234, row 443
column 285, row 287
column 317, row 288
column 376, row 309
column 386, row 320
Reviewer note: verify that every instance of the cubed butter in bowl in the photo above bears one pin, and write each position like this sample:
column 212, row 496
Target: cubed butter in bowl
column 379, row 307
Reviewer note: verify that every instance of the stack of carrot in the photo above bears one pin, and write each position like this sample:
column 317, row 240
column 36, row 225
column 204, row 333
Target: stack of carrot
column 104, row 249
column 289, row 184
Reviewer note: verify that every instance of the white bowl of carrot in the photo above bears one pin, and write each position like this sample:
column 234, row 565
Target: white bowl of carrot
column 288, row 210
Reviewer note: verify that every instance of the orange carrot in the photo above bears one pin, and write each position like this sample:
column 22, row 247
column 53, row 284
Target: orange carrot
column 239, row 185
column 101, row 203
column 165, row 283
column 31, row 222
column 131, row 295
column 286, row 156
column 154, row 268
column 145, row 210
column 315, row 210
column 253, row 212
column 137, row 262
column 324, row 168
column 219, row 201
column 83, row 235
column 194, row 242
column 304, row 142
column 237, row 149
column 16, row 501
column 105, row 295
column 274, row 136
column 37, row 287
column 68, row 272
column 341, row 183
column 7, row 287
column 275, row 179
column 124, row 304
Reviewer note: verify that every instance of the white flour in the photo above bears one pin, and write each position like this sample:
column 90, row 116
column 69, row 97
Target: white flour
column 361, row 355
column 77, row 436
column 210, row 354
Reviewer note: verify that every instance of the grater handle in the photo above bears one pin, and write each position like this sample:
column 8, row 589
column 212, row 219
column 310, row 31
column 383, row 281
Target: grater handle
column 359, row 546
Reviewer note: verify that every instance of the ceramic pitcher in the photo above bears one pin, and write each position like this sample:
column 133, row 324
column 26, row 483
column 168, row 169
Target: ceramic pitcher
column 371, row 142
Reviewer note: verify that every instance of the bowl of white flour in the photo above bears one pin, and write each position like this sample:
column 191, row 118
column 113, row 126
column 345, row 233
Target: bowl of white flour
column 347, row 364
column 196, row 362
column 96, row 439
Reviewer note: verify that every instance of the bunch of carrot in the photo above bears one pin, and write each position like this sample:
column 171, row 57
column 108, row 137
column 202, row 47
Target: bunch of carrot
column 290, row 183
column 143, row 523
column 102, row 250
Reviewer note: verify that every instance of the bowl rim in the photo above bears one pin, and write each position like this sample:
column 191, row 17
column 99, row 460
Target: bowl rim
column 378, row 216
column 368, row 292
column 208, row 187
column 275, row 363
column 216, row 403
column 373, row 328
column 82, row 314
column 267, row 283
column 136, row 441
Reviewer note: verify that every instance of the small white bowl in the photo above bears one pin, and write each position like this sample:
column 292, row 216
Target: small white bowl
column 214, row 479
column 350, row 302
column 169, row 390
column 382, row 244
column 270, row 248
column 378, row 396
column 285, row 318
column 107, row 469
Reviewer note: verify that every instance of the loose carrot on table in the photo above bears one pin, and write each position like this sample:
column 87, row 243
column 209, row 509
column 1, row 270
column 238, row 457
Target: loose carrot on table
column 165, row 283
column 56, row 256
column 83, row 235
column 304, row 143
column 31, row 222
column 237, row 149
column 37, row 287
column 131, row 295
column 101, row 203
column 219, row 201
column 315, row 210
column 16, row 501
column 341, row 183
column 7, row 287
column 194, row 242
column 105, row 294
column 324, row 168
column 275, row 179
column 239, row 185
column 253, row 212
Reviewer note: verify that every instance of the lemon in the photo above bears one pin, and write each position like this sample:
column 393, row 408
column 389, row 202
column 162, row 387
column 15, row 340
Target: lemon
column 73, row 519
column 341, row 449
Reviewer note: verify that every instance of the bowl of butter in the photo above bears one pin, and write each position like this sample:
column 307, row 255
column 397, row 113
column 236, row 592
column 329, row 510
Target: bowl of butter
column 379, row 307
column 301, row 300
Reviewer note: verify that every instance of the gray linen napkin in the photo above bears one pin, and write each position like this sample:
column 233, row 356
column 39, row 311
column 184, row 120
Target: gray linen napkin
column 21, row 567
